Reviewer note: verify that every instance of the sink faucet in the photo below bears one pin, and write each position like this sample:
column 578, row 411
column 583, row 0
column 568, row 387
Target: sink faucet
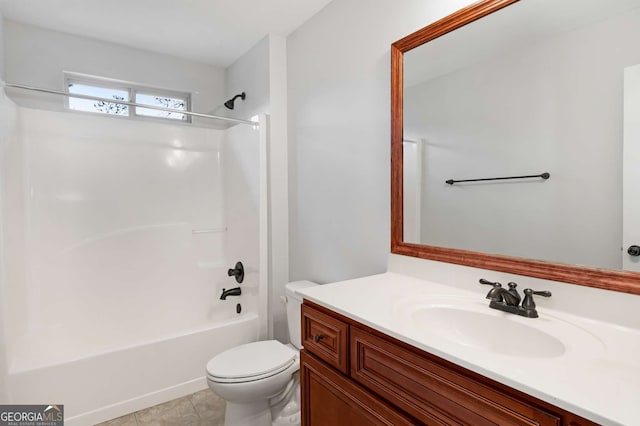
column 501, row 294
column 231, row 292
column 509, row 300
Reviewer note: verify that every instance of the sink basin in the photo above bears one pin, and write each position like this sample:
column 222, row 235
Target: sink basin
column 487, row 332
column 469, row 323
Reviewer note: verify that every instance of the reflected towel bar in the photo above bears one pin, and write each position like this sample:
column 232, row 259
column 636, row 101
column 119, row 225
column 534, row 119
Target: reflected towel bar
column 544, row 176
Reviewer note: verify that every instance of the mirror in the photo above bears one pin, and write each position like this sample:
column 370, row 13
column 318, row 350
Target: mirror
column 512, row 124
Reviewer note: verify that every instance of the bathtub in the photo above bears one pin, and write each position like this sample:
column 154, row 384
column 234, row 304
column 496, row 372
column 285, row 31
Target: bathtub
column 122, row 233
column 98, row 386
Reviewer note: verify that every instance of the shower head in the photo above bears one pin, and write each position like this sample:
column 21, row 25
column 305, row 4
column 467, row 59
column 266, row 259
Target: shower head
column 229, row 103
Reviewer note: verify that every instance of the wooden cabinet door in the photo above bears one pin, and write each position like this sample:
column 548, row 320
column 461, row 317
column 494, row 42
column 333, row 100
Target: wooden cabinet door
column 330, row 399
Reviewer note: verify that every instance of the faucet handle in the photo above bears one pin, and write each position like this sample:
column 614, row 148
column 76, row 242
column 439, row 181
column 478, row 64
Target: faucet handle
column 237, row 272
column 528, row 302
column 487, row 282
column 494, row 293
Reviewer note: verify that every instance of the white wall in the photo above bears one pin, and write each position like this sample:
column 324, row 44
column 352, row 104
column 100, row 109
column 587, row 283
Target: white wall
column 8, row 123
column 279, row 183
column 339, row 132
column 250, row 74
column 3, row 116
column 14, row 226
column 8, row 135
column 261, row 73
column 1, row 47
column 38, row 57
column 560, row 111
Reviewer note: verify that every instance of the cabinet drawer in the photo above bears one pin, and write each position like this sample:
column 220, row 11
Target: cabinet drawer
column 431, row 391
column 326, row 337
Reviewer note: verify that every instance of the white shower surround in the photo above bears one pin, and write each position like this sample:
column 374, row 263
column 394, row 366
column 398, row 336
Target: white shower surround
column 117, row 305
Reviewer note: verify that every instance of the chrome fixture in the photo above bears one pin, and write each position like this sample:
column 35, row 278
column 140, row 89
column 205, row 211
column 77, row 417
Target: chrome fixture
column 230, row 102
column 231, row 292
column 509, row 300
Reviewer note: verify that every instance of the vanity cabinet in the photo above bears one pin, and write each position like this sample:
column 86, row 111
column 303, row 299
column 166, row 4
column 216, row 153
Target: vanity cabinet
column 354, row 375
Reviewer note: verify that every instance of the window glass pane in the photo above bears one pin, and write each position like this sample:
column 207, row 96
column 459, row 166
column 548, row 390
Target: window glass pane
column 161, row 101
column 98, row 106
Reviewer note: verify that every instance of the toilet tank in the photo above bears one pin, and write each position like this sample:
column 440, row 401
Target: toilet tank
column 294, row 301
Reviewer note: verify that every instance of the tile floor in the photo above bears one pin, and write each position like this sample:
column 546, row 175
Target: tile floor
column 199, row 409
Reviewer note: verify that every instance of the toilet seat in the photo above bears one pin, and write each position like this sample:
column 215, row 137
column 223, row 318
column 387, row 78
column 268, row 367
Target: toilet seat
column 251, row 362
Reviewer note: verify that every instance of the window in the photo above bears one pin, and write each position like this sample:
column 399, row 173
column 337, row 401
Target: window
column 107, row 89
column 100, row 92
column 162, row 101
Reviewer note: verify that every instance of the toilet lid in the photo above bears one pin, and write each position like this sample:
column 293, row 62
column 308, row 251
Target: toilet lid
column 251, row 360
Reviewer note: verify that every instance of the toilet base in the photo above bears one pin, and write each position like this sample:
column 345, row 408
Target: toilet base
column 256, row 413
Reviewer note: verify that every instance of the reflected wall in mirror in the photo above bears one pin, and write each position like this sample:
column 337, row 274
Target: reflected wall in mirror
column 535, row 87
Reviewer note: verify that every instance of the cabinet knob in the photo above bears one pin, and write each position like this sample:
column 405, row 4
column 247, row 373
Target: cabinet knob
column 318, row 337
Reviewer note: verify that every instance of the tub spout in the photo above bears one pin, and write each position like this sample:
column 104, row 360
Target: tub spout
column 231, row 292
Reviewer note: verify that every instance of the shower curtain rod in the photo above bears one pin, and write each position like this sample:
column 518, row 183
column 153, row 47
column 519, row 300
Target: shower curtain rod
column 133, row 104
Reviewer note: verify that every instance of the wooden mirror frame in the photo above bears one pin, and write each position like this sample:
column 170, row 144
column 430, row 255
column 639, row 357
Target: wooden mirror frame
column 628, row 282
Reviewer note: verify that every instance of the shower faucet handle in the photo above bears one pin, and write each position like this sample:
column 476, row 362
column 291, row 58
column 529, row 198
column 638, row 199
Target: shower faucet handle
column 237, row 272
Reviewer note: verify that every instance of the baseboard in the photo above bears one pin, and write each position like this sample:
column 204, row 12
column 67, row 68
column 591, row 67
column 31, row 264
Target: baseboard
column 135, row 404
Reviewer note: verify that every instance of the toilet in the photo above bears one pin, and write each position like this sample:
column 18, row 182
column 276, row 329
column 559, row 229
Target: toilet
column 260, row 380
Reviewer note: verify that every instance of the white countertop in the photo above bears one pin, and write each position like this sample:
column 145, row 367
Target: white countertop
column 602, row 384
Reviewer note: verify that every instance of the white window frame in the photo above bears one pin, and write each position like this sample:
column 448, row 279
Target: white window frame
column 132, row 89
